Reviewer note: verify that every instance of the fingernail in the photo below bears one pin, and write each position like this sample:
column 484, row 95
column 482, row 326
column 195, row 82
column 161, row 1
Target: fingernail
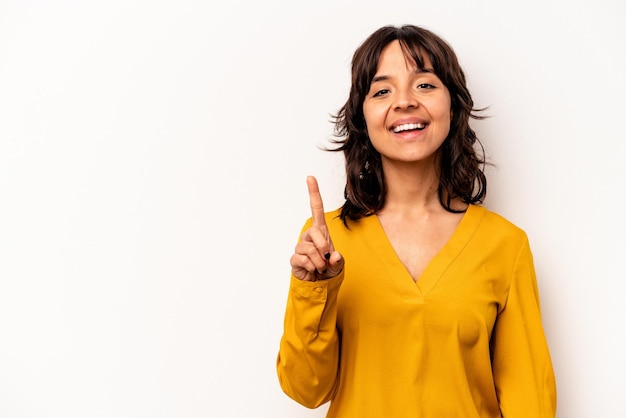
column 327, row 256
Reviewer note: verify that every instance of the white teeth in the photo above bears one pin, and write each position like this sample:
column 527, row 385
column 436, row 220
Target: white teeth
column 409, row 127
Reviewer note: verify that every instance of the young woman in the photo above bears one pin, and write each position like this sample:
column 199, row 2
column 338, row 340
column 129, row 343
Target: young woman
column 412, row 299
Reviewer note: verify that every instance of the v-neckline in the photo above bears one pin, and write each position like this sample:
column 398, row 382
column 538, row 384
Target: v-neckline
column 435, row 268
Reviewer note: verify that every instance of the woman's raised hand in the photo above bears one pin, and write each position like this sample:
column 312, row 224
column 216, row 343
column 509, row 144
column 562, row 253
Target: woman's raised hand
column 315, row 257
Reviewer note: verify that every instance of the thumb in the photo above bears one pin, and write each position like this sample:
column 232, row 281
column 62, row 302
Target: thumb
column 335, row 264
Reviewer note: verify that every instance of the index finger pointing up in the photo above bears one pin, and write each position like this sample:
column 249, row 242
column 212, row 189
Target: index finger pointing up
column 317, row 207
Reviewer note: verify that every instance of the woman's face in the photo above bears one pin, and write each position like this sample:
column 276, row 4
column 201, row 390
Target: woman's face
column 407, row 110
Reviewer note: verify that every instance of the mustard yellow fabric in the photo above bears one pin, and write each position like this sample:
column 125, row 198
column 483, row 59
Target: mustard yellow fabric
column 466, row 340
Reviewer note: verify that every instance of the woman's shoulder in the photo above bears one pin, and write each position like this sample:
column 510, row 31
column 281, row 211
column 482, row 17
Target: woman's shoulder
column 333, row 215
column 332, row 218
column 494, row 221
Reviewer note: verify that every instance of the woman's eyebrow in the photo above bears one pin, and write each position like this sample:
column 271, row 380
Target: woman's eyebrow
column 416, row 71
column 380, row 78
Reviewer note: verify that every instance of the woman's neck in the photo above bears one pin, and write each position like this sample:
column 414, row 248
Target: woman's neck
column 411, row 187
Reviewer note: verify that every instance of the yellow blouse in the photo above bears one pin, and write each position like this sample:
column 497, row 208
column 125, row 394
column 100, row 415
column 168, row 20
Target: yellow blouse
column 465, row 341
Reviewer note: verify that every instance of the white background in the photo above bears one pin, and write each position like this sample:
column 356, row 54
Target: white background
column 153, row 157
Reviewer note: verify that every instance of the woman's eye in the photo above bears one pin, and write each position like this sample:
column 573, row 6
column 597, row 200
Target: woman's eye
column 425, row 86
column 381, row 92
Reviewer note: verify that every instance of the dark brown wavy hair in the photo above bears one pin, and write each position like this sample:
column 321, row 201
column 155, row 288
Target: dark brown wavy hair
column 462, row 155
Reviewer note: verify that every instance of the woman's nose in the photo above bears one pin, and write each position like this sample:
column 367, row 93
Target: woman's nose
column 405, row 99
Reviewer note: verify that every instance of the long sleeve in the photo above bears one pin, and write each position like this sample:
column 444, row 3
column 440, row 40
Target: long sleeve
column 522, row 366
column 308, row 359
column 465, row 340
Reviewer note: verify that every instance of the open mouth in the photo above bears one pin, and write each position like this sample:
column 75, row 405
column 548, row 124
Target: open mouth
column 409, row 127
